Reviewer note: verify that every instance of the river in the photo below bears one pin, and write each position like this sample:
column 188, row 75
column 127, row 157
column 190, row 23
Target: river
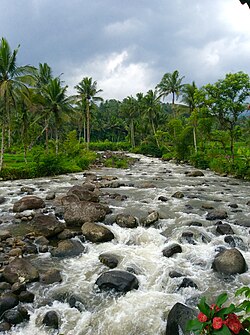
column 143, row 311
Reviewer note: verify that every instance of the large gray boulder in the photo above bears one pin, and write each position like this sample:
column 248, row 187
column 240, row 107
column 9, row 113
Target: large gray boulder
column 76, row 214
column 28, row 202
column 229, row 262
column 83, row 193
column 177, row 320
column 96, row 233
column 68, row 248
column 126, row 221
column 216, row 215
column 47, row 225
column 121, row 281
column 20, row 270
column 8, row 300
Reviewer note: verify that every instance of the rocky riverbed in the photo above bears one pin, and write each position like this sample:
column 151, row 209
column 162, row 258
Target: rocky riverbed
column 113, row 251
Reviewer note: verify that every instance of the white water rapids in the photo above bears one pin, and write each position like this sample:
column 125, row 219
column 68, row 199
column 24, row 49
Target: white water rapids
column 143, row 311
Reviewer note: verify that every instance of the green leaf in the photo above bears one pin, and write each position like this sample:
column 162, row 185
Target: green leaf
column 223, row 331
column 226, row 310
column 242, row 290
column 203, row 306
column 194, row 325
column 222, row 298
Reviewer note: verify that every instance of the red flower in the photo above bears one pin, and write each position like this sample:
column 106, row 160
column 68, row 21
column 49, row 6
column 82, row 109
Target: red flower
column 217, row 323
column 233, row 323
column 202, row 317
column 215, row 307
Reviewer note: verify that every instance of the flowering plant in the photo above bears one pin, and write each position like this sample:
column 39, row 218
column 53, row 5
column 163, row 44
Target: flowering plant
column 218, row 320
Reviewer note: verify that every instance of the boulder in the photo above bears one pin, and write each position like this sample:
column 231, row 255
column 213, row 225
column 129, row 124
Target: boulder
column 126, row 221
column 187, row 283
column 4, row 234
column 13, row 317
column 68, row 248
column 76, row 214
column 2, row 200
column 224, row 229
column 51, row 319
column 68, row 199
column 216, row 215
column 8, row 300
column 172, row 249
column 26, row 296
column 178, row 195
column 4, row 326
column 50, row 276
column 120, row 281
column 109, row 260
column 21, row 270
column 229, row 262
column 162, row 198
column 195, row 173
column 96, row 233
column 28, row 202
column 177, row 320
column 47, row 225
column 83, row 193
column 150, row 219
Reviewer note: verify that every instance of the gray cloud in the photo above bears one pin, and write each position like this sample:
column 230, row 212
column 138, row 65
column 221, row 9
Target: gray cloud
column 127, row 46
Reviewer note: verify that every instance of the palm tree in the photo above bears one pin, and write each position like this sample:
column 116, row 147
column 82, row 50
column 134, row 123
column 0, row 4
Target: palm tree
column 12, row 79
column 56, row 103
column 129, row 109
column 170, row 84
column 87, row 90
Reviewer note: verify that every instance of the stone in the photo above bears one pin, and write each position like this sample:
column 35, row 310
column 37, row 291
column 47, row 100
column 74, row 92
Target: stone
column 76, row 214
column 150, row 219
column 28, row 202
column 83, row 193
column 195, row 173
column 17, row 287
column 8, row 300
column 2, row 200
column 169, row 251
column 126, row 221
column 109, row 260
column 68, row 248
column 177, row 320
column 229, row 262
column 65, row 234
column 13, row 317
column 27, row 189
column 120, row 281
column 4, row 287
column 4, row 326
column 162, row 198
column 187, row 283
column 50, row 276
column 224, row 229
column 26, row 296
column 175, row 274
column 178, row 195
column 21, row 270
column 96, row 233
column 47, row 225
column 4, row 234
column 51, row 319
column 50, row 196
column 216, row 215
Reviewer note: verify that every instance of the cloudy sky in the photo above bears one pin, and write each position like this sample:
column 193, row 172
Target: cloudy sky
column 128, row 45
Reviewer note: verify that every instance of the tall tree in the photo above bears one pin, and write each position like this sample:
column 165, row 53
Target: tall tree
column 129, row 110
column 12, row 79
column 171, row 83
column 57, row 104
column 87, row 90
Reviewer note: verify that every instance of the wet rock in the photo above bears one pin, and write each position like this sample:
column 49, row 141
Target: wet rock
column 88, row 186
column 65, row 234
column 170, row 250
column 28, row 202
column 216, row 215
column 109, row 260
column 178, row 195
column 79, row 213
column 68, row 199
column 177, row 320
column 150, row 219
column 229, row 262
column 187, row 283
column 233, row 205
column 230, row 240
column 121, row 281
column 50, row 196
column 175, row 274
column 4, row 234
column 47, row 225
column 26, row 296
column 27, row 189
column 4, row 326
column 224, row 229
column 17, row 287
column 41, row 240
column 207, row 206
column 248, row 203
column 13, row 317
column 2, row 200
column 83, row 193
column 187, row 237
column 50, row 276
column 68, row 248
column 8, row 300
column 20, row 269
column 51, row 319
column 96, row 233
column 24, row 312
column 126, row 221
column 195, row 173
column 4, row 287
column 163, row 198
column 195, row 224
column 243, row 223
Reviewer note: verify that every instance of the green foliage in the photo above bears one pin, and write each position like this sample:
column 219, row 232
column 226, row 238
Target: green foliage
column 71, row 145
column 108, row 145
column 148, row 148
column 199, row 160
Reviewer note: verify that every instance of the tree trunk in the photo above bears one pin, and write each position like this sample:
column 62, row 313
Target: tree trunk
column 56, row 133
column 47, row 136
column 154, row 132
column 2, row 147
column 88, row 124
column 132, row 133
column 195, row 140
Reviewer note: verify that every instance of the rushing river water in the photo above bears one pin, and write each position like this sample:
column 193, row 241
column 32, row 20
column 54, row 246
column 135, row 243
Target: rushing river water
column 143, row 311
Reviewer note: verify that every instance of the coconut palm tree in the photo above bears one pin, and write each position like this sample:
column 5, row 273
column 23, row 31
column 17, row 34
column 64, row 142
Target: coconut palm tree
column 87, row 91
column 56, row 103
column 12, row 79
column 171, row 83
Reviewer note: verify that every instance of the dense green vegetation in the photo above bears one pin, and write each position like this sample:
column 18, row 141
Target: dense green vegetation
column 44, row 131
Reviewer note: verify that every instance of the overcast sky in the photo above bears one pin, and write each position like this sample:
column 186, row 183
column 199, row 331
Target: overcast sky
column 128, row 45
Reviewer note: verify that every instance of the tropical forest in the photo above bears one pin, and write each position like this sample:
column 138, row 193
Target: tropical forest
column 45, row 131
